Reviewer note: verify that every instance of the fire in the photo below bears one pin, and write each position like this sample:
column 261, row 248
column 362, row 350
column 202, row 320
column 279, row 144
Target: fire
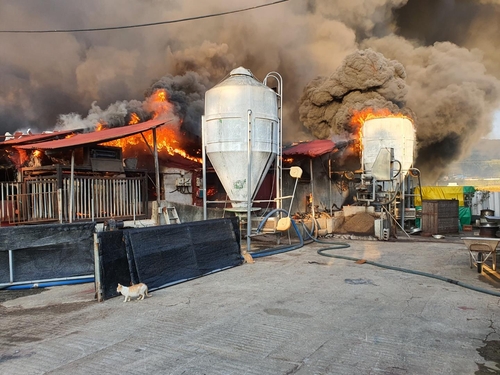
column 359, row 117
column 211, row 191
column 22, row 157
column 37, row 153
column 134, row 119
column 101, row 125
column 159, row 104
column 161, row 95
column 167, row 138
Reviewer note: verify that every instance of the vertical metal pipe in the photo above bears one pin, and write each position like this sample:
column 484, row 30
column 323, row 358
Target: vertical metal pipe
column 402, row 204
column 134, row 202
column 106, row 197
column 72, row 187
column 11, row 266
column 78, row 198
column 157, row 177
column 92, row 201
column 330, row 184
column 59, row 205
column 312, row 188
column 114, row 189
column 279, row 159
column 249, row 180
column 86, row 198
column 204, row 167
column 3, row 202
column 100, row 194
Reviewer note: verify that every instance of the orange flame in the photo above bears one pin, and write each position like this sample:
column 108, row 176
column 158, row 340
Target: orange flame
column 134, row 119
column 158, row 103
column 360, row 117
column 211, row 191
column 168, row 137
column 101, row 125
column 167, row 142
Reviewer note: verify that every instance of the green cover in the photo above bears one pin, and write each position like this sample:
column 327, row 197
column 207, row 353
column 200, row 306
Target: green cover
column 464, row 215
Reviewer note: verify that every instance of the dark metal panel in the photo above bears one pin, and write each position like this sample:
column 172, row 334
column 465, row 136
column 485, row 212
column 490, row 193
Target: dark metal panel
column 174, row 253
column 113, row 262
column 48, row 251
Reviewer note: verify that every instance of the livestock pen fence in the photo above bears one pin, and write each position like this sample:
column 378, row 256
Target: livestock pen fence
column 80, row 198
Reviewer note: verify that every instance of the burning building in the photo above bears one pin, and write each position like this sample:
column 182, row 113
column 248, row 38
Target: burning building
column 101, row 167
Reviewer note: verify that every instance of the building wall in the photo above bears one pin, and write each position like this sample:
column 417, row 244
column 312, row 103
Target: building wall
column 326, row 196
column 178, row 185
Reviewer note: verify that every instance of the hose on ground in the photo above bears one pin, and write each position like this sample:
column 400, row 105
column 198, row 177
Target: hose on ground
column 343, row 245
column 405, row 270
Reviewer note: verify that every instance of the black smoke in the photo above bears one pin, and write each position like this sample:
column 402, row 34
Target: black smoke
column 449, row 50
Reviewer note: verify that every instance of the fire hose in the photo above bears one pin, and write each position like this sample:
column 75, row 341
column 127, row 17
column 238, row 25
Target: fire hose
column 342, row 245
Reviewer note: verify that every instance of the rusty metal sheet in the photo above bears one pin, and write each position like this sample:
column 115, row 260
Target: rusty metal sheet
column 97, row 136
column 312, row 149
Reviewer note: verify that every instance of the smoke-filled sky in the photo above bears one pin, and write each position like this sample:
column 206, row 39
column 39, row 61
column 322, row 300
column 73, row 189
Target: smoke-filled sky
column 438, row 59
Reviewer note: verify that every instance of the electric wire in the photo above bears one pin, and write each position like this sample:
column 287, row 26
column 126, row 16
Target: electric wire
column 142, row 24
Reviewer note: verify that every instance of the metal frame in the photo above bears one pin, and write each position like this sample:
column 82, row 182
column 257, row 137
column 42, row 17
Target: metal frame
column 481, row 246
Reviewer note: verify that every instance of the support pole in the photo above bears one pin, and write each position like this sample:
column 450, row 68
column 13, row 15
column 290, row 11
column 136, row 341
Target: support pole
column 157, row 177
column 330, row 184
column 245, row 253
column 72, row 186
column 11, row 266
column 204, row 167
column 313, row 213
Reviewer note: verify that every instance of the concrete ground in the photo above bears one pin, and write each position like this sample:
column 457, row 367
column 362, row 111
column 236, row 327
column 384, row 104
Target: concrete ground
column 293, row 313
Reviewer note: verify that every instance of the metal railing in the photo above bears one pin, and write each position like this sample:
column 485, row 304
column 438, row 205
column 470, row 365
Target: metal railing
column 7, row 205
column 90, row 198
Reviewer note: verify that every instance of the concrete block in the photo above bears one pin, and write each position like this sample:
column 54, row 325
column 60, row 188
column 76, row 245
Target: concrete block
column 321, row 222
column 353, row 210
column 334, row 224
column 338, row 214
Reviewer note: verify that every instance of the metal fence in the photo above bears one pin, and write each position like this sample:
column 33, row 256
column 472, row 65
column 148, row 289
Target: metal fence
column 78, row 199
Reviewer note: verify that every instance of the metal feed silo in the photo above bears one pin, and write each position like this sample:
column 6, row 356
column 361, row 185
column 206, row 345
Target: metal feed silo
column 241, row 130
column 397, row 133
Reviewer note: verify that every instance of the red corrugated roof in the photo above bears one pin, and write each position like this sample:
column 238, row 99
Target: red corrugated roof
column 30, row 138
column 312, row 149
column 96, row 137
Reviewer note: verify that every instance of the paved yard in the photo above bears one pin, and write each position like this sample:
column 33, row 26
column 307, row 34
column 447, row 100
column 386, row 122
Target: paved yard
column 293, row 313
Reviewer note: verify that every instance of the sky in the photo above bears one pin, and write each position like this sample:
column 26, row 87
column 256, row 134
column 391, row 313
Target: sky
column 438, row 60
column 495, row 132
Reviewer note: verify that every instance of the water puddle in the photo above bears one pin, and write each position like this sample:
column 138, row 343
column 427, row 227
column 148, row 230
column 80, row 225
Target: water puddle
column 491, row 354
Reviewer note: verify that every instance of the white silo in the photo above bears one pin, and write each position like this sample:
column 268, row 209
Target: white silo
column 396, row 133
column 241, row 134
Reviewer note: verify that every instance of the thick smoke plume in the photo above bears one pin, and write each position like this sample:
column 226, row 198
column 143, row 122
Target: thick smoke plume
column 184, row 97
column 365, row 79
column 450, row 57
